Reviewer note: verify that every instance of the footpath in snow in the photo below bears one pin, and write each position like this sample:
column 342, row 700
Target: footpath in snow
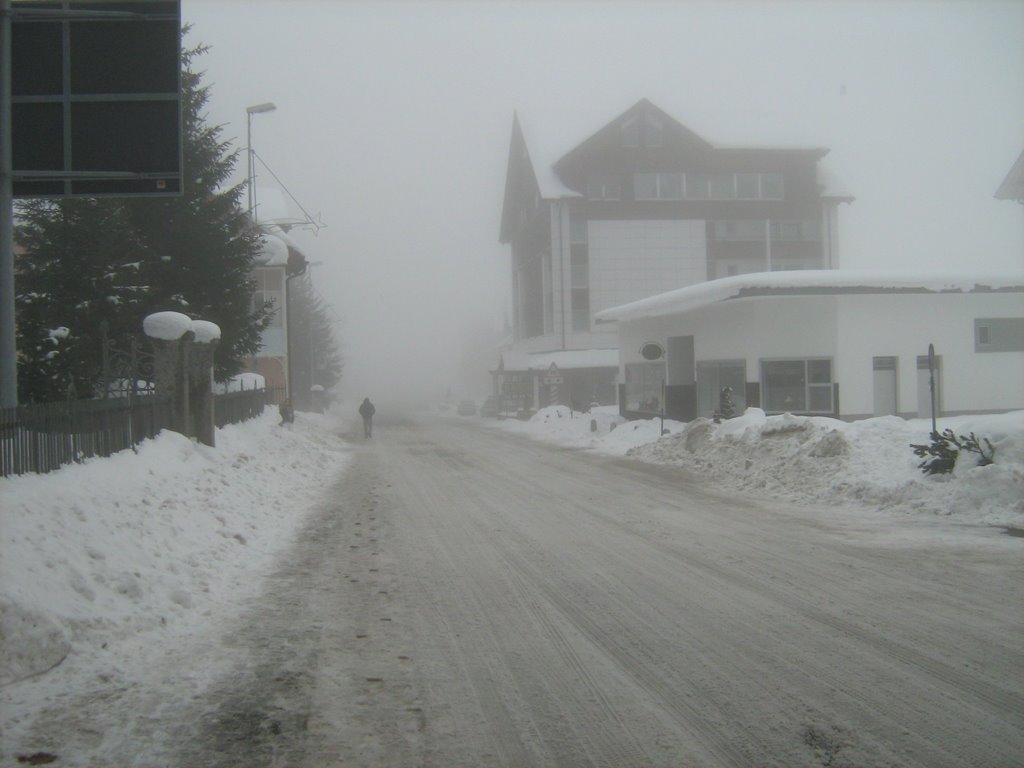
column 866, row 464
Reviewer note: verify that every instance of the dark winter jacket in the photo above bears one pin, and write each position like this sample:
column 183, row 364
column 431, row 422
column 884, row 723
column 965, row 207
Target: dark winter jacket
column 366, row 410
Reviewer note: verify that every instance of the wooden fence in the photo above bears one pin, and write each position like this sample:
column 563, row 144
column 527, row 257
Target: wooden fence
column 46, row 436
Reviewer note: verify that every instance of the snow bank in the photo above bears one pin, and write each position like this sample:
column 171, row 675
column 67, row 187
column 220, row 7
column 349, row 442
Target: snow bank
column 814, row 460
column 157, row 541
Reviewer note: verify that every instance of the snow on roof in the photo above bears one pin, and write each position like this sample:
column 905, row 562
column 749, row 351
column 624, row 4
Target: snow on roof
column 565, row 359
column 830, row 186
column 542, row 158
column 274, row 247
column 807, row 283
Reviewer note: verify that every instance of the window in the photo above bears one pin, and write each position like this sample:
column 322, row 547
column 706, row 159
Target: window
column 712, row 377
column 984, row 334
column 658, row 186
column 771, row 186
column 696, row 186
column 579, row 269
column 645, row 384
column 604, row 188
column 269, row 290
column 262, row 298
column 720, row 186
column 797, row 386
column 748, row 186
column 999, row 334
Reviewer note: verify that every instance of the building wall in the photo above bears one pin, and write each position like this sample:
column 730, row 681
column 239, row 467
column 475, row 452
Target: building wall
column 852, row 330
column 631, row 260
column 903, row 326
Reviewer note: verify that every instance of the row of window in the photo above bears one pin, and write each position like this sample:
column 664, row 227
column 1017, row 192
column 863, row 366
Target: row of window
column 796, row 386
column 690, row 186
column 756, row 230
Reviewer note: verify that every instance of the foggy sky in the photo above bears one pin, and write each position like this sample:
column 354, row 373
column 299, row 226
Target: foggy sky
column 394, row 119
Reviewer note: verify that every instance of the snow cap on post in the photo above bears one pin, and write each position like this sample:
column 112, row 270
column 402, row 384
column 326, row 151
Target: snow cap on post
column 205, row 331
column 169, row 326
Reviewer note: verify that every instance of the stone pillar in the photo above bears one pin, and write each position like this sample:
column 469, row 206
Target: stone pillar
column 200, row 375
column 171, row 333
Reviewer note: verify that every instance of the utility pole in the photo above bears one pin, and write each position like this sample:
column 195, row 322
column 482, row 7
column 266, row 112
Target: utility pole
column 8, row 353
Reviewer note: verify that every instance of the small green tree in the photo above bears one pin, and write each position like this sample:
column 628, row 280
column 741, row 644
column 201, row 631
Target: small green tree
column 941, row 454
column 726, row 407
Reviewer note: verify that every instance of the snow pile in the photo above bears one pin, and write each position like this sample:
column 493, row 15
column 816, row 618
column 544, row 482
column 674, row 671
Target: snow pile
column 154, row 542
column 815, row 459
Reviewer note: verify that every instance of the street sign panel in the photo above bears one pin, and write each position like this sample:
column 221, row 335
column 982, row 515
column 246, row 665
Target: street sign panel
column 96, row 98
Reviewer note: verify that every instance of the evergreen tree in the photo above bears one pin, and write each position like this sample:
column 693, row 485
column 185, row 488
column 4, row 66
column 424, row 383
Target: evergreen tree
column 82, row 265
column 316, row 359
column 84, row 261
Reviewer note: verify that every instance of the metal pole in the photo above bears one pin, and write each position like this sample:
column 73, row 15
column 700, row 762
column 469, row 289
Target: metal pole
column 931, row 384
column 248, row 157
column 8, row 350
column 288, row 338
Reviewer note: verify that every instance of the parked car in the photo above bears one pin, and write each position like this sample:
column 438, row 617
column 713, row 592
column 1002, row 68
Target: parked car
column 466, row 408
column 490, row 407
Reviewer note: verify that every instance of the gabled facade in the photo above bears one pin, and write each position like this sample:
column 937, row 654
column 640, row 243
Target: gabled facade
column 644, row 206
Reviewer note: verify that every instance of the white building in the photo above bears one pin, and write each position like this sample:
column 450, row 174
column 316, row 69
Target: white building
column 840, row 343
column 642, row 206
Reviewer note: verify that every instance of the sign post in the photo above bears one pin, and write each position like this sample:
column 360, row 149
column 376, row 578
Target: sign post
column 553, row 378
column 931, row 384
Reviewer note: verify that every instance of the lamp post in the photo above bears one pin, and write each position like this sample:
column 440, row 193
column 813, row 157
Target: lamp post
column 256, row 109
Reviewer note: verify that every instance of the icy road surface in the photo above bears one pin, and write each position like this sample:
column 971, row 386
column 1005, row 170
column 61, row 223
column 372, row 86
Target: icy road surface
column 468, row 598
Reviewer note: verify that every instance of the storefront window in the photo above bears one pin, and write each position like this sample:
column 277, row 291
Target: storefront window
column 797, row 386
column 645, row 387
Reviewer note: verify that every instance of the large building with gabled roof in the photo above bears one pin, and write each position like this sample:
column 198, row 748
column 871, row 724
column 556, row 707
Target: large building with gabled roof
column 642, row 206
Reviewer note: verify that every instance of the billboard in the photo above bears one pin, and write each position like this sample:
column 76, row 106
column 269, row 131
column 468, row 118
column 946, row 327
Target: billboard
column 96, row 98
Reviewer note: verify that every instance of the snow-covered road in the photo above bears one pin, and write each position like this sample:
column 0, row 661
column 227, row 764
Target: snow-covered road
column 467, row 597
column 470, row 599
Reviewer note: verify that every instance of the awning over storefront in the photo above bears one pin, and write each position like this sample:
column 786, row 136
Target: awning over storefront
column 563, row 359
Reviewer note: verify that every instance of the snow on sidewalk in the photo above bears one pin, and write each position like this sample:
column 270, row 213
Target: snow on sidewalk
column 161, row 542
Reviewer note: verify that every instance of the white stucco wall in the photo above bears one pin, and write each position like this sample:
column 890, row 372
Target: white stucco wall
column 852, row 330
column 902, row 326
column 749, row 329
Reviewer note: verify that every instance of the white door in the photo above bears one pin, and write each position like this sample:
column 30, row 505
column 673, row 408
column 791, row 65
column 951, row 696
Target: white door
column 885, row 386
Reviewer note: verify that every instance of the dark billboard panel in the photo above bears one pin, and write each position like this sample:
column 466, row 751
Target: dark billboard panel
column 96, row 107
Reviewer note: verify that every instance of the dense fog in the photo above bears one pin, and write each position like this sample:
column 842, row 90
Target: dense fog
column 393, row 122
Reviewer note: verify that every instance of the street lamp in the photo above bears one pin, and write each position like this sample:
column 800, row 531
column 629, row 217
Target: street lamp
column 256, row 109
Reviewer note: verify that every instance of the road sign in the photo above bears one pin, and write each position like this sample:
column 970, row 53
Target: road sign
column 96, row 98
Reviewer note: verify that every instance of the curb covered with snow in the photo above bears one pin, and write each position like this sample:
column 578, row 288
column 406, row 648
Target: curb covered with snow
column 154, row 541
column 815, row 459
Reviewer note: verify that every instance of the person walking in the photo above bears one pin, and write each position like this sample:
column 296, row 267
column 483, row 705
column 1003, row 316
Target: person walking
column 366, row 410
